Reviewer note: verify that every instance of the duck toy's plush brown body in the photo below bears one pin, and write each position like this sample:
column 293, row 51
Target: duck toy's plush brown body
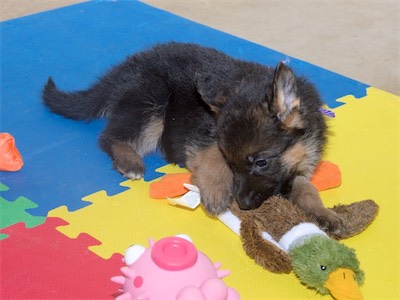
column 280, row 237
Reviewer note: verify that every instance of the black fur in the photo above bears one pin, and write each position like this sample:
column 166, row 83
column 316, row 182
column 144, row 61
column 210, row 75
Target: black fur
column 186, row 99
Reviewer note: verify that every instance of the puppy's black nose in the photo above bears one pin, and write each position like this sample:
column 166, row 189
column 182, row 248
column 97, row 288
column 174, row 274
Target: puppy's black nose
column 248, row 202
column 245, row 205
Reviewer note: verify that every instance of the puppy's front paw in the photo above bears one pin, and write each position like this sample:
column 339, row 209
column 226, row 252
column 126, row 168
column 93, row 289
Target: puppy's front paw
column 215, row 200
column 213, row 177
column 331, row 222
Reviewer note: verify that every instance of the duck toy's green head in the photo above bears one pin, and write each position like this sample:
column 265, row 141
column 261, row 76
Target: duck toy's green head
column 328, row 266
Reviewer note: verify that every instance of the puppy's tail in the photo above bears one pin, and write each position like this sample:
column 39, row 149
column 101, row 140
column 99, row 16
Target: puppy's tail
column 83, row 105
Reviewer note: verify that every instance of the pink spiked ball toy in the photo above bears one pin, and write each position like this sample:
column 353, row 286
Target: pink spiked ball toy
column 172, row 268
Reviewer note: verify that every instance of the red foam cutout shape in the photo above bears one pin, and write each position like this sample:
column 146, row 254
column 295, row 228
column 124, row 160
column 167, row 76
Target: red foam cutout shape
column 10, row 158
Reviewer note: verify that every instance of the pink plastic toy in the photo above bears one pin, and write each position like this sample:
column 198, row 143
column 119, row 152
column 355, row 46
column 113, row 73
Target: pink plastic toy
column 172, row 268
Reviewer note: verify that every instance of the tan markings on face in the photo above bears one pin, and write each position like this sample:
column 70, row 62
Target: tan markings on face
column 302, row 158
column 294, row 155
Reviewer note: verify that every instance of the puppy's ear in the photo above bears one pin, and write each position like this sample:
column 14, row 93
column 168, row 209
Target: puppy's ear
column 286, row 102
column 210, row 91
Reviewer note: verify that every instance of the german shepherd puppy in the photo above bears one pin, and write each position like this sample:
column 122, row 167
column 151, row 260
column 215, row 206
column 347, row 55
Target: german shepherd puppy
column 244, row 130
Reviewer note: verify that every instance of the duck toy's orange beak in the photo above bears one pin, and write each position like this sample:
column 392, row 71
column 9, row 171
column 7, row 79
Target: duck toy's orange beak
column 342, row 284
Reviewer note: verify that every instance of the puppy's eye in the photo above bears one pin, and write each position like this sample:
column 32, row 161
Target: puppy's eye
column 261, row 162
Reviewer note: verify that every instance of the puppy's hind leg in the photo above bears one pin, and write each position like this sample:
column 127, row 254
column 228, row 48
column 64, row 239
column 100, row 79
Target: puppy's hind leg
column 126, row 143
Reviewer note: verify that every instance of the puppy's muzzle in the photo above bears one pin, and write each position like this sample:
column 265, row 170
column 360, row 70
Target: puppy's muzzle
column 249, row 197
column 251, row 200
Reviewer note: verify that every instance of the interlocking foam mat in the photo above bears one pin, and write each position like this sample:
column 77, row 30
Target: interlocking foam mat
column 67, row 217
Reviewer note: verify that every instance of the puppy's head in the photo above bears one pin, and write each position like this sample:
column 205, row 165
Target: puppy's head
column 269, row 130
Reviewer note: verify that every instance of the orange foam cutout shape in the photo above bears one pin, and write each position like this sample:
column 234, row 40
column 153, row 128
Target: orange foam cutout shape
column 327, row 175
column 170, row 186
column 10, row 158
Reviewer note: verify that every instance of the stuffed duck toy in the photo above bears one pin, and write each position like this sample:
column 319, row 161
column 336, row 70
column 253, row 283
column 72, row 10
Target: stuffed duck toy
column 280, row 237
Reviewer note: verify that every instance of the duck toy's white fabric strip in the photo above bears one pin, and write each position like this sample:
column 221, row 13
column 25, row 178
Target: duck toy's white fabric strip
column 298, row 234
